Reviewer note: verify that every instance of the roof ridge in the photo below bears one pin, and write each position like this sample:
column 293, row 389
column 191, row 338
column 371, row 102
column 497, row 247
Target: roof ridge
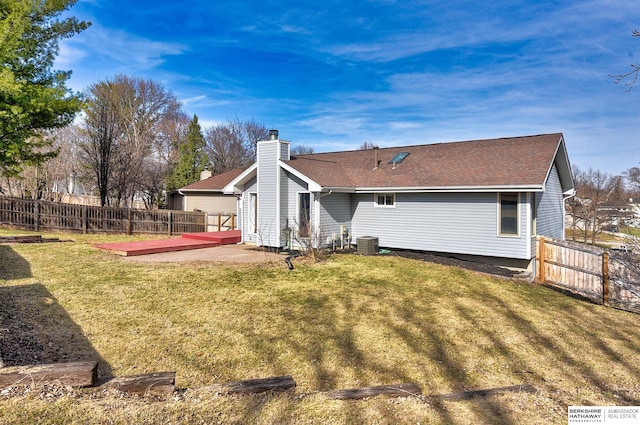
column 427, row 144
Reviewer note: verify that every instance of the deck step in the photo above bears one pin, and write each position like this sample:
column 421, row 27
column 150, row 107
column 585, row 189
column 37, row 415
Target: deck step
column 225, row 238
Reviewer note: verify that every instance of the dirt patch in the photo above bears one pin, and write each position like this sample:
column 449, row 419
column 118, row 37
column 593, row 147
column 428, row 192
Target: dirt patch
column 456, row 262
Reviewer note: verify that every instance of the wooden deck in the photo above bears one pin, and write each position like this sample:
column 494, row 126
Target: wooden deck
column 186, row 242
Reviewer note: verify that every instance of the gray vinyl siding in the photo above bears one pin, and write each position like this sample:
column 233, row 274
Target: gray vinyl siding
column 550, row 208
column 462, row 223
column 335, row 211
column 268, row 224
column 291, row 186
column 284, row 150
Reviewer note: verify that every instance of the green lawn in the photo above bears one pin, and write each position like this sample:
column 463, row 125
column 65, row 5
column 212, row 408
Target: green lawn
column 348, row 321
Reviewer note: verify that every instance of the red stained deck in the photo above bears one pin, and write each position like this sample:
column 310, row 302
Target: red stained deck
column 185, row 242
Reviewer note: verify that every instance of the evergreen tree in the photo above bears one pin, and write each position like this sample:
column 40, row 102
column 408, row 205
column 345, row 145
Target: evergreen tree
column 192, row 158
column 33, row 97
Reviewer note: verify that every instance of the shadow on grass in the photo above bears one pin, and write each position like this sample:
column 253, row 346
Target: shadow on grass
column 35, row 329
column 12, row 265
column 438, row 336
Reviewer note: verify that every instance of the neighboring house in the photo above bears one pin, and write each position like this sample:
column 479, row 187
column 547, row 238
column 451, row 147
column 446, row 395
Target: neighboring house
column 207, row 194
column 481, row 198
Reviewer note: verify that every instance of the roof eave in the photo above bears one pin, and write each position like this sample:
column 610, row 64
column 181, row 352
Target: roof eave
column 234, row 185
column 456, row 189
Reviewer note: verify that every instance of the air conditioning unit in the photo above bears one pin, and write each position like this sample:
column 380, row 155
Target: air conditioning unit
column 367, row 245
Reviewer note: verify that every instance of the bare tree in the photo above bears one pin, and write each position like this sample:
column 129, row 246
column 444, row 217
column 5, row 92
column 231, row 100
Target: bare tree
column 125, row 119
column 103, row 130
column 301, row 150
column 233, row 144
column 367, row 145
column 595, row 188
column 632, row 177
column 578, row 206
column 630, row 76
column 53, row 178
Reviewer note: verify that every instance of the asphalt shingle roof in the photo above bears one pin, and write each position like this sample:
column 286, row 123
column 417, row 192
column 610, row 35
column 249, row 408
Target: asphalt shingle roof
column 515, row 161
column 214, row 183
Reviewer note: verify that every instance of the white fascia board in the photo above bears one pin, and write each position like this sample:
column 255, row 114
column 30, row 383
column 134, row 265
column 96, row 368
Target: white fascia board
column 313, row 186
column 523, row 188
column 183, row 191
column 245, row 176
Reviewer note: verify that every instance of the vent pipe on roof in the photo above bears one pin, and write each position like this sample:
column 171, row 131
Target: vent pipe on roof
column 273, row 134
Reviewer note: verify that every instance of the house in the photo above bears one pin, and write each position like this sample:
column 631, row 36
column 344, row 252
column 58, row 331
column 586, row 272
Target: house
column 481, row 199
column 207, row 195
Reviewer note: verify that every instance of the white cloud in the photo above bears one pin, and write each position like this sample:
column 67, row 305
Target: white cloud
column 68, row 55
column 119, row 49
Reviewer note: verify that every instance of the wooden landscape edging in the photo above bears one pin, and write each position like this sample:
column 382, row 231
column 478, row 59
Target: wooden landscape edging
column 74, row 374
column 84, row 375
column 397, row 390
column 255, row 386
column 468, row 395
column 26, row 239
column 158, row 383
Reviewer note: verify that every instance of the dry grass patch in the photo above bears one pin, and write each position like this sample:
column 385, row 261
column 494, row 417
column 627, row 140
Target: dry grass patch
column 346, row 322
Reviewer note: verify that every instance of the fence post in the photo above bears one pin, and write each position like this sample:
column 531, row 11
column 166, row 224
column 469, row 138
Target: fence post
column 605, row 278
column 85, row 219
column 206, row 222
column 233, row 221
column 169, row 223
column 219, row 221
column 541, row 248
column 129, row 226
column 36, row 215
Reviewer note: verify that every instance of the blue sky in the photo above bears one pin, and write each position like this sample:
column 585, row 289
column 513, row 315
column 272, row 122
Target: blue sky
column 335, row 74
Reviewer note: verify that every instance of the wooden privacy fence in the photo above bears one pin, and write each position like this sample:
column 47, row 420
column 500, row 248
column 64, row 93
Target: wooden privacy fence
column 588, row 271
column 44, row 215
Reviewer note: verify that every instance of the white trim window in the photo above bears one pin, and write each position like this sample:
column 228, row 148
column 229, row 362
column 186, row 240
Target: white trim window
column 384, row 200
column 508, row 214
column 304, row 214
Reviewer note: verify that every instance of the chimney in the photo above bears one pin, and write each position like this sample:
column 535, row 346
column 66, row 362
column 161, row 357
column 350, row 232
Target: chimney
column 273, row 134
column 206, row 173
column 376, row 161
